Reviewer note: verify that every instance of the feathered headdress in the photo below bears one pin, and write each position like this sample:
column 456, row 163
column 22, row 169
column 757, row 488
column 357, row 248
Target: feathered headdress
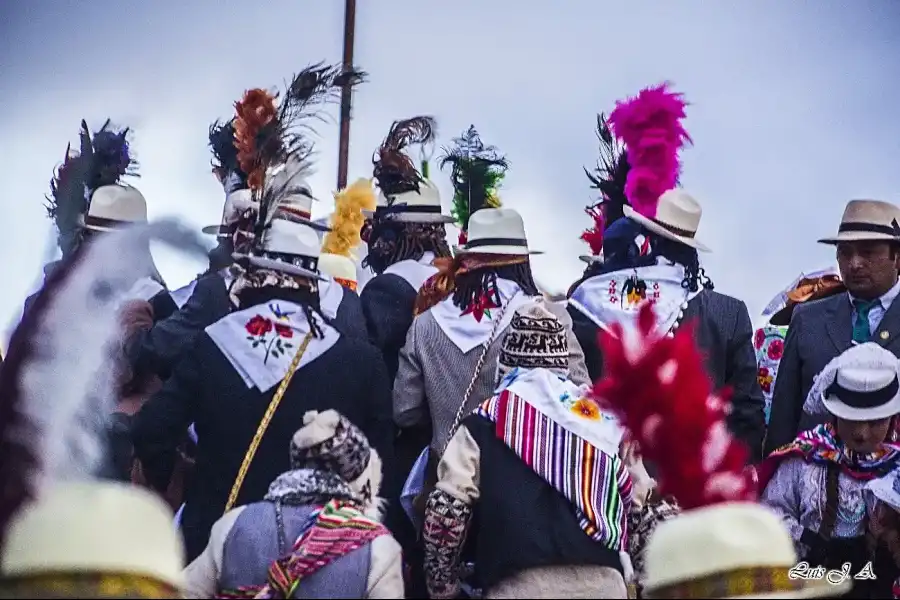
column 347, row 220
column 271, row 138
column 609, row 178
column 225, row 155
column 66, row 203
column 57, row 384
column 659, row 388
column 394, row 170
column 477, row 171
column 108, row 156
column 650, row 127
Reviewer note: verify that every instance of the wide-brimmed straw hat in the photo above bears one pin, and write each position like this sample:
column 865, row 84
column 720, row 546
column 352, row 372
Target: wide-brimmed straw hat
column 422, row 206
column 114, row 206
column 497, row 231
column 732, row 550
column 867, row 220
column 677, row 218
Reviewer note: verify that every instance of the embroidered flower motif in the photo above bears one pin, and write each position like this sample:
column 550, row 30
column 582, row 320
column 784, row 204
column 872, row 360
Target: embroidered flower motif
column 258, row 326
column 759, row 338
column 480, row 307
column 587, row 409
column 776, row 349
column 765, row 379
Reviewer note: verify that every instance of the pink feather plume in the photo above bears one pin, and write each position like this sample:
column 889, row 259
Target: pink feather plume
column 650, row 127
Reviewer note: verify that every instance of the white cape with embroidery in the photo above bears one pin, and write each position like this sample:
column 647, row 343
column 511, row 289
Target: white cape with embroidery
column 414, row 272
column 616, row 297
column 472, row 329
column 559, row 399
column 260, row 342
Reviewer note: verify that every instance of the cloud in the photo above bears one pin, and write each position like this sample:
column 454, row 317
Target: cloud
column 792, row 108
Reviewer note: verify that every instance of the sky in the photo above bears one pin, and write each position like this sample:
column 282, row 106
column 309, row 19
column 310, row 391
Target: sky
column 793, row 109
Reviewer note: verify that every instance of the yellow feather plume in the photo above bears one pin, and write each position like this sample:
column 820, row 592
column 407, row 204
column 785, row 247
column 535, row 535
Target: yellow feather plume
column 348, row 219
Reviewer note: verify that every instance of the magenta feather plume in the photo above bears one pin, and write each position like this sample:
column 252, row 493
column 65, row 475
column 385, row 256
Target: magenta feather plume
column 650, row 127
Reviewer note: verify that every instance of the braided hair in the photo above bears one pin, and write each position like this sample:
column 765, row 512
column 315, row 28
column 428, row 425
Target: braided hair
column 480, row 283
column 391, row 241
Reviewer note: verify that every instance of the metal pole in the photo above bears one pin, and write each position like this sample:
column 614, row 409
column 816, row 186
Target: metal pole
column 346, row 93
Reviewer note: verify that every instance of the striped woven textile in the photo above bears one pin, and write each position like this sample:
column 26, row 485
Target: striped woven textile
column 339, row 529
column 597, row 484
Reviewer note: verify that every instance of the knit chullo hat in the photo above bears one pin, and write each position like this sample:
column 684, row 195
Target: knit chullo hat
column 535, row 339
column 328, row 441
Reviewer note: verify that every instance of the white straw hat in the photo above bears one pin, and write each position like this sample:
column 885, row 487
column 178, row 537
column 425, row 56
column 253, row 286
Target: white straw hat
column 867, row 220
column 114, row 206
column 677, row 218
column 496, row 231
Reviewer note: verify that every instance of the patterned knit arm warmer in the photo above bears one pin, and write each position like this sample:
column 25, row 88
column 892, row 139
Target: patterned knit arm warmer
column 446, row 524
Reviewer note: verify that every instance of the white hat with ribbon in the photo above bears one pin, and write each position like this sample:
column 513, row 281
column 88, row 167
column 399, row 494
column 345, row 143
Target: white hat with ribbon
column 114, row 206
column 496, row 231
column 677, row 218
column 867, row 220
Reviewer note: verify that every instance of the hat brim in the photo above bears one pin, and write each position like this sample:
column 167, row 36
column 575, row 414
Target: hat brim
column 276, row 265
column 590, row 259
column 120, row 225
column 858, row 236
column 412, row 217
column 213, row 230
column 815, row 588
column 662, row 231
column 516, row 250
column 850, row 413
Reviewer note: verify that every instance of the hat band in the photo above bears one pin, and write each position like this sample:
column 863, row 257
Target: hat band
column 298, row 260
column 403, row 207
column 871, row 399
column 480, row 242
column 295, row 212
column 893, row 229
column 739, row 582
column 685, row 233
column 90, row 221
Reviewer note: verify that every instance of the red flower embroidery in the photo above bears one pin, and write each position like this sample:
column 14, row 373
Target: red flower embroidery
column 284, row 331
column 258, row 325
column 765, row 379
column 480, row 307
column 775, row 350
column 759, row 338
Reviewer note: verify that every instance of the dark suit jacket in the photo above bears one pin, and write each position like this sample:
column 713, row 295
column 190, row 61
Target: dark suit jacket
column 388, row 301
column 206, row 390
column 819, row 331
column 724, row 334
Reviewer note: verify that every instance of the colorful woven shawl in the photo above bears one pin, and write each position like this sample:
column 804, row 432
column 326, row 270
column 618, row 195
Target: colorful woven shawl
column 597, row 484
column 338, row 529
column 821, row 445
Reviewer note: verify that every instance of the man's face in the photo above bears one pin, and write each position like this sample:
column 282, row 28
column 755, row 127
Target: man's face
column 868, row 268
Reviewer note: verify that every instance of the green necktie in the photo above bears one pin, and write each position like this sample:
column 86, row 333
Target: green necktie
column 861, row 332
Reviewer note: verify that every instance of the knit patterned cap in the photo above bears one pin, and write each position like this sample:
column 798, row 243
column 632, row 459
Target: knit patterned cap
column 535, row 339
column 328, row 441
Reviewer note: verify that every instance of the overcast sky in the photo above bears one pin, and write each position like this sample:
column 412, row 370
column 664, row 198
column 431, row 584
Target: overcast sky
column 794, row 108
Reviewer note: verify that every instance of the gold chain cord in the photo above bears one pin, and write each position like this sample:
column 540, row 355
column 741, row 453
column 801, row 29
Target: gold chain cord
column 264, row 423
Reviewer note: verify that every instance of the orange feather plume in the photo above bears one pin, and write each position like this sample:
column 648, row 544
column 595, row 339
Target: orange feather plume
column 255, row 111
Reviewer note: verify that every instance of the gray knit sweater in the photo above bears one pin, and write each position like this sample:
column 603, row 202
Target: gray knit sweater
column 434, row 373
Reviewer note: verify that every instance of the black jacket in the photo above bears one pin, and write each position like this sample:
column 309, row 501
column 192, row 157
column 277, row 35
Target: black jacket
column 388, row 301
column 724, row 334
column 206, row 390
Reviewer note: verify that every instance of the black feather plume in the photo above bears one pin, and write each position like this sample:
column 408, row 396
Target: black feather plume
column 393, row 168
column 108, row 155
column 611, row 172
column 225, row 154
column 66, row 203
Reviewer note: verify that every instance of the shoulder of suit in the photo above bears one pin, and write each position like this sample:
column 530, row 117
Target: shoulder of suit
column 389, row 283
column 817, row 306
column 715, row 298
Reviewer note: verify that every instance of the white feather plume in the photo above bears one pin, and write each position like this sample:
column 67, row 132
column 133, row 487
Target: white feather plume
column 68, row 382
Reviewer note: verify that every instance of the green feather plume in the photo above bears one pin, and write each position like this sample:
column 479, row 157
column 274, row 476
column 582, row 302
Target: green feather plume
column 476, row 173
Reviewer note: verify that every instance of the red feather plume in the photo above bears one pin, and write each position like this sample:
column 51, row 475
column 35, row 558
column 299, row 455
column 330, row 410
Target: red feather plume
column 659, row 388
column 594, row 236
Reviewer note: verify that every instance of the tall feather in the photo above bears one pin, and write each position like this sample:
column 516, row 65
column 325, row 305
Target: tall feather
column 267, row 133
column 109, row 156
column 650, row 126
column 347, row 220
column 476, row 173
column 225, row 153
column 393, row 168
column 66, row 202
column 659, row 389
column 57, row 382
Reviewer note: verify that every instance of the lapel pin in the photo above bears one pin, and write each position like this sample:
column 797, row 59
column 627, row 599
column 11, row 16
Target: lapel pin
column 884, row 335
